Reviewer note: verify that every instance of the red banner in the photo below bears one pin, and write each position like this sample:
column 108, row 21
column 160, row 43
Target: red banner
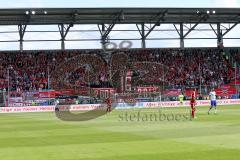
column 237, row 82
column 146, row 89
column 172, row 92
column 226, row 91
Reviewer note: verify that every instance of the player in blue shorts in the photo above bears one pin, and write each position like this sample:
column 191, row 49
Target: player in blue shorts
column 213, row 98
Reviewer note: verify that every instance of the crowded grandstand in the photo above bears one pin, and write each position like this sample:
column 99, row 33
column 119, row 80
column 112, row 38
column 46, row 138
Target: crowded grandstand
column 178, row 69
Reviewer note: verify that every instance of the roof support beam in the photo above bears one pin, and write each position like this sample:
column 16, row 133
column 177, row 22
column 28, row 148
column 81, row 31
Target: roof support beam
column 202, row 18
column 219, row 33
column 103, row 40
column 219, row 36
column 159, row 18
column 21, row 30
column 61, row 30
column 142, row 34
column 180, row 33
column 190, row 30
column 107, row 32
column 213, row 29
column 181, row 36
column 176, row 29
column 229, row 29
column 139, row 30
column 100, row 28
column 117, row 18
column 63, row 33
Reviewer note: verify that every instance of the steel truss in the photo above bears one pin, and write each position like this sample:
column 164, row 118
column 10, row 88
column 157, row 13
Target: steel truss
column 184, row 21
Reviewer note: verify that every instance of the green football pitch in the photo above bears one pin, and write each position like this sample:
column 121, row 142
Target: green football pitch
column 123, row 134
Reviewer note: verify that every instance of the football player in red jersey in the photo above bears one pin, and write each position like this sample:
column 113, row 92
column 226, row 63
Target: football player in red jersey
column 193, row 103
column 109, row 104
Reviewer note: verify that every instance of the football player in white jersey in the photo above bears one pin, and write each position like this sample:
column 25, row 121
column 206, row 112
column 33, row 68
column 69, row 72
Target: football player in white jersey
column 213, row 98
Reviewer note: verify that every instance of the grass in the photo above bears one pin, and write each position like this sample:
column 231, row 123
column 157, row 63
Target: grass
column 41, row 136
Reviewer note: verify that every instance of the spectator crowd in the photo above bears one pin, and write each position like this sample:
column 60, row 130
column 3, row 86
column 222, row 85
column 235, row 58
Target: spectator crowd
column 35, row 70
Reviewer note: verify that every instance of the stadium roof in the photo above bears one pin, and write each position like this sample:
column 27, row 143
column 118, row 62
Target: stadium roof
column 184, row 20
column 41, row 16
